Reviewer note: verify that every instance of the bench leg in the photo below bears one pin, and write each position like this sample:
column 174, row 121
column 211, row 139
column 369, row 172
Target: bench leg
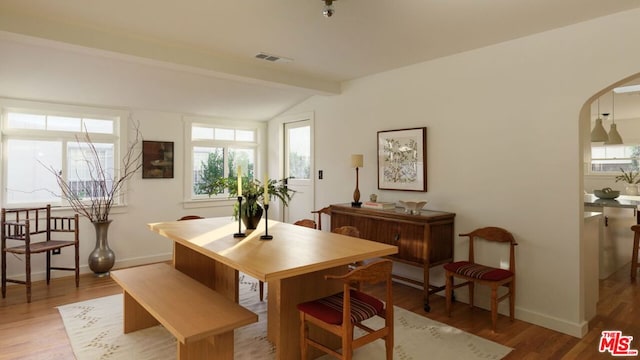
column 214, row 347
column 135, row 316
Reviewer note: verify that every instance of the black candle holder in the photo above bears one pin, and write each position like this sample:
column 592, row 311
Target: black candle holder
column 239, row 234
column 266, row 235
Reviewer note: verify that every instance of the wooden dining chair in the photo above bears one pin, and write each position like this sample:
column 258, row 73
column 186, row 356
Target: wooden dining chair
column 634, row 253
column 306, row 223
column 260, row 283
column 190, row 217
column 494, row 277
column 30, row 231
column 347, row 230
column 340, row 313
column 324, row 211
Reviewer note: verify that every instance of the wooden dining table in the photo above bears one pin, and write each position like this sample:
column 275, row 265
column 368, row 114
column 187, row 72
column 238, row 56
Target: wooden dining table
column 293, row 264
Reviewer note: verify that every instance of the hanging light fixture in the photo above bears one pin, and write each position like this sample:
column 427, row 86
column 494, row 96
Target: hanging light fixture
column 328, row 9
column 614, row 135
column 599, row 133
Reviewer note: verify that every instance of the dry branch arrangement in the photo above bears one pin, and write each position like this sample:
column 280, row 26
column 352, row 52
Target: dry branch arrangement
column 96, row 196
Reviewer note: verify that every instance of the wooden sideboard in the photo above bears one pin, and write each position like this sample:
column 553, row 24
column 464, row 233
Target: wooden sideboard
column 423, row 240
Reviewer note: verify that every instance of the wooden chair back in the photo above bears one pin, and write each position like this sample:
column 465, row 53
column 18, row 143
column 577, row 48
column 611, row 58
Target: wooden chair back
column 36, row 231
column 306, row 223
column 347, row 230
column 493, row 234
column 494, row 277
column 372, row 273
column 191, row 217
column 324, row 211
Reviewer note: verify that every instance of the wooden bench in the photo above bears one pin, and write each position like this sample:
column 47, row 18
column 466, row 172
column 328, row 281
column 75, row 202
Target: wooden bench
column 201, row 319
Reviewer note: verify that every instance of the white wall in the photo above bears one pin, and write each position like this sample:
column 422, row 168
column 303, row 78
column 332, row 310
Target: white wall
column 503, row 145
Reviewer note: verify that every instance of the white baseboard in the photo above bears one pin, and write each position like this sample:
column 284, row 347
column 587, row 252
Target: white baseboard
column 573, row 329
column 84, row 268
column 570, row 328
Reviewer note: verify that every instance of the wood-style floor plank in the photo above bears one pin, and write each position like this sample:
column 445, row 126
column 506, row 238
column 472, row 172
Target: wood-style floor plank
column 35, row 331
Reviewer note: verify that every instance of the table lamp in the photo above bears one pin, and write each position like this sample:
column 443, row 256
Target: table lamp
column 356, row 162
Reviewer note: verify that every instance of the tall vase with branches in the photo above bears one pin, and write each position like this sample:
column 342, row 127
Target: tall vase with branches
column 95, row 197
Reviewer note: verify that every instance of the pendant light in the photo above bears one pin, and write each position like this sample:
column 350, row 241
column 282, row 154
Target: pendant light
column 614, row 135
column 599, row 133
column 328, row 9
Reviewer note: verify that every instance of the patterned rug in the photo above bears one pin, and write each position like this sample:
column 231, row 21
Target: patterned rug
column 95, row 330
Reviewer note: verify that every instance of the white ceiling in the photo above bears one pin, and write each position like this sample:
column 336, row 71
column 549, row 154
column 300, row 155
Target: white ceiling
column 202, row 52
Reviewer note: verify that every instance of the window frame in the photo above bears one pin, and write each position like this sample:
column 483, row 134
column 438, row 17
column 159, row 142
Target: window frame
column 590, row 163
column 118, row 138
column 192, row 200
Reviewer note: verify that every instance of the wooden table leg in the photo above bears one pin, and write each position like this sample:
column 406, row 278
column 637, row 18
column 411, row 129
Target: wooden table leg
column 206, row 270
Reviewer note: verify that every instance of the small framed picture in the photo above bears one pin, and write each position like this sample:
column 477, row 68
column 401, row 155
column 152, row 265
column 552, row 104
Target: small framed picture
column 157, row 159
column 402, row 159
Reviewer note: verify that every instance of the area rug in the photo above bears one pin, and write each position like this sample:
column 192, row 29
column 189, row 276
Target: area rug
column 95, row 331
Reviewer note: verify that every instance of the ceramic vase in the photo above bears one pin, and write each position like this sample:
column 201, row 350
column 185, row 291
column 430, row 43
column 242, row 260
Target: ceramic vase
column 631, row 189
column 102, row 258
column 251, row 222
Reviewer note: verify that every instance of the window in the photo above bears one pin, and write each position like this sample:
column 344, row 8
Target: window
column 40, row 138
column 217, row 151
column 610, row 158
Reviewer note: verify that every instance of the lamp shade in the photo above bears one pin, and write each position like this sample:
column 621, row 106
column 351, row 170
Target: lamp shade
column 599, row 133
column 614, row 136
column 357, row 160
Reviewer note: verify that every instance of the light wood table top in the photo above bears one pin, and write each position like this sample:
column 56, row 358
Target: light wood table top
column 294, row 250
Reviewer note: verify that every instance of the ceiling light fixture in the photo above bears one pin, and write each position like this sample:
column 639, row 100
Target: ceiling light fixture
column 599, row 133
column 614, row 135
column 328, row 9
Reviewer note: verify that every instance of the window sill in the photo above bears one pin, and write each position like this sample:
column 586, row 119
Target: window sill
column 207, row 203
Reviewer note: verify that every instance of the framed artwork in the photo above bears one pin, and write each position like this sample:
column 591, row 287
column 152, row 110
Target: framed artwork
column 402, row 159
column 157, row 159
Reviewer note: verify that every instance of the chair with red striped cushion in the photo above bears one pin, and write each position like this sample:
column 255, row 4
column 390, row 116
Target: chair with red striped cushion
column 340, row 313
column 494, row 277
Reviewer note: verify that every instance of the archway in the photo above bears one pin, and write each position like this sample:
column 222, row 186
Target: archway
column 590, row 254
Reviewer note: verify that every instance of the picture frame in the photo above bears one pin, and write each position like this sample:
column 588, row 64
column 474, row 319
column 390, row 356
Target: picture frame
column 402, row 159
column 157, row 159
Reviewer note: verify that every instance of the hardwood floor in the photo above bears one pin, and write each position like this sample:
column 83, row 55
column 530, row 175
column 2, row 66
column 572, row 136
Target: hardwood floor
column 35, row 331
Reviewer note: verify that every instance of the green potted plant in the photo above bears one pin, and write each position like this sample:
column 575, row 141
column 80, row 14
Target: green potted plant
column 631, row 178
column 252, row 193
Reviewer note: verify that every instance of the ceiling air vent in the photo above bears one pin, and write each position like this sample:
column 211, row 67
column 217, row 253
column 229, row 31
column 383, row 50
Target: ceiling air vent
column 272, row 58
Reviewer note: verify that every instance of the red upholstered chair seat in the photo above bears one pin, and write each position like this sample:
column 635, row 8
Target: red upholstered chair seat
column 477, row 271
column 329, row 309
